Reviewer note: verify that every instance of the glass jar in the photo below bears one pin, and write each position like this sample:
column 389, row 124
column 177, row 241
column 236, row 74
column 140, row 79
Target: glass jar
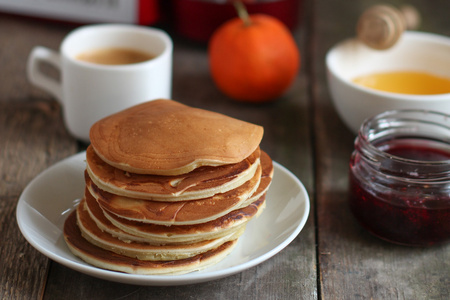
column 400, row 177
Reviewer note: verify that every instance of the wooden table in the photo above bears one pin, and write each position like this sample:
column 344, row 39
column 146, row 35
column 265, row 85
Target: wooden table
column 332, row 258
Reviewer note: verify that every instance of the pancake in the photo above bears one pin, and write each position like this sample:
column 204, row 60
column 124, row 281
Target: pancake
column 97, row 215
column 183, row 234
column 175, row 213
column 185, row 212
column 169, row 189
column 266, row 180
column 141, row 250
column 164, row 137
column 104, row 259
column 159, row 234
column 201, row 183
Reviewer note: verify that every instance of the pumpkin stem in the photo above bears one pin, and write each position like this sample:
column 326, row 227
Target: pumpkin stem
column 242, row 12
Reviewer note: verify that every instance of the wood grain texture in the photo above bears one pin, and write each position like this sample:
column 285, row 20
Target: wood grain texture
column 31, row 139
column 353, row 264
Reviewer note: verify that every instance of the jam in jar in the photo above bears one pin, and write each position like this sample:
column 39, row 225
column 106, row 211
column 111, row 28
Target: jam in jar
column 400, row 177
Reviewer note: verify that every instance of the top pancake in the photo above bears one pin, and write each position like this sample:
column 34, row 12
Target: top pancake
column 164, row 137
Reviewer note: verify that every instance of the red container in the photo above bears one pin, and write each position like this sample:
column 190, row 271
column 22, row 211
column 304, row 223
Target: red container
column 400, row 177
column 198, row 19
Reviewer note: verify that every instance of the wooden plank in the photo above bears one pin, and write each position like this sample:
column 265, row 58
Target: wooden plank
column 31, row 138
column 18, row 36
column 354, row 264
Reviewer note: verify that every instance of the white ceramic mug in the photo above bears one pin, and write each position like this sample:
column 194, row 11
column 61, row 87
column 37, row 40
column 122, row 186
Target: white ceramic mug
column 89, row 91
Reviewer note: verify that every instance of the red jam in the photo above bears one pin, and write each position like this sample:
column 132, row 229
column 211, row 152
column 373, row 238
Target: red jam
column 415, row 149
column 412, row 218
column 400, row 194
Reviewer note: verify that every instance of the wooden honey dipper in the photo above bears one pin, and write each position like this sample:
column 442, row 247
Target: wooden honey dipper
column 381, row 26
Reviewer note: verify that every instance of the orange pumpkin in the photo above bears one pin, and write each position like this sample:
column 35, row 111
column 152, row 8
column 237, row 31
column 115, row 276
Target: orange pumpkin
column 254, row 59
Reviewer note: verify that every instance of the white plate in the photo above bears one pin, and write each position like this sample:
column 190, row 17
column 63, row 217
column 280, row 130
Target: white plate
column 51, row 196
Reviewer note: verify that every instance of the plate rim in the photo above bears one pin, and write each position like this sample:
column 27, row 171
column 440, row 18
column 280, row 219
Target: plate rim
column 157, row 280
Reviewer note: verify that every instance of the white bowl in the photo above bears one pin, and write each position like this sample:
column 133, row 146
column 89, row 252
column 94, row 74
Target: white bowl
column 415, row 51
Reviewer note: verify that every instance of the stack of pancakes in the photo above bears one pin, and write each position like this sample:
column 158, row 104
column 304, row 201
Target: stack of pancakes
column 169, row 189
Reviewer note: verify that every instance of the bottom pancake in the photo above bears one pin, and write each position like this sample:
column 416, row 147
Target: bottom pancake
column 104, row 259
column 143, row 251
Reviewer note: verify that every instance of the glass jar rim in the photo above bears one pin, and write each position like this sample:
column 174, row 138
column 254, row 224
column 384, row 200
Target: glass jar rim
column 386, row 124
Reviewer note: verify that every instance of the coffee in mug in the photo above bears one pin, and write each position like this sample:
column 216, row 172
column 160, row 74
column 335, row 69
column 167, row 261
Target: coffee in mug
column 89, row 91
column 114, row 56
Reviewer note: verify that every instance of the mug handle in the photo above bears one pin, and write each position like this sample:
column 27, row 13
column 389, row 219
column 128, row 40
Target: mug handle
column 36, row 77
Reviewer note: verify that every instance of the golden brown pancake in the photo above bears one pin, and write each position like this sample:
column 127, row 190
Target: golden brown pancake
column 104, row 259
column 182, row 234
column 97, row 215
column 175, row 213
column 169, row 189
column 266, row 180
column 164, row 137
column 142, row 250
column 104, row 223
column 200, row 183
column 185, row 212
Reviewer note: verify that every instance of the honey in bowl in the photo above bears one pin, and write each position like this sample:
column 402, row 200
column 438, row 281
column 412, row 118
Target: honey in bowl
column 405, row 82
